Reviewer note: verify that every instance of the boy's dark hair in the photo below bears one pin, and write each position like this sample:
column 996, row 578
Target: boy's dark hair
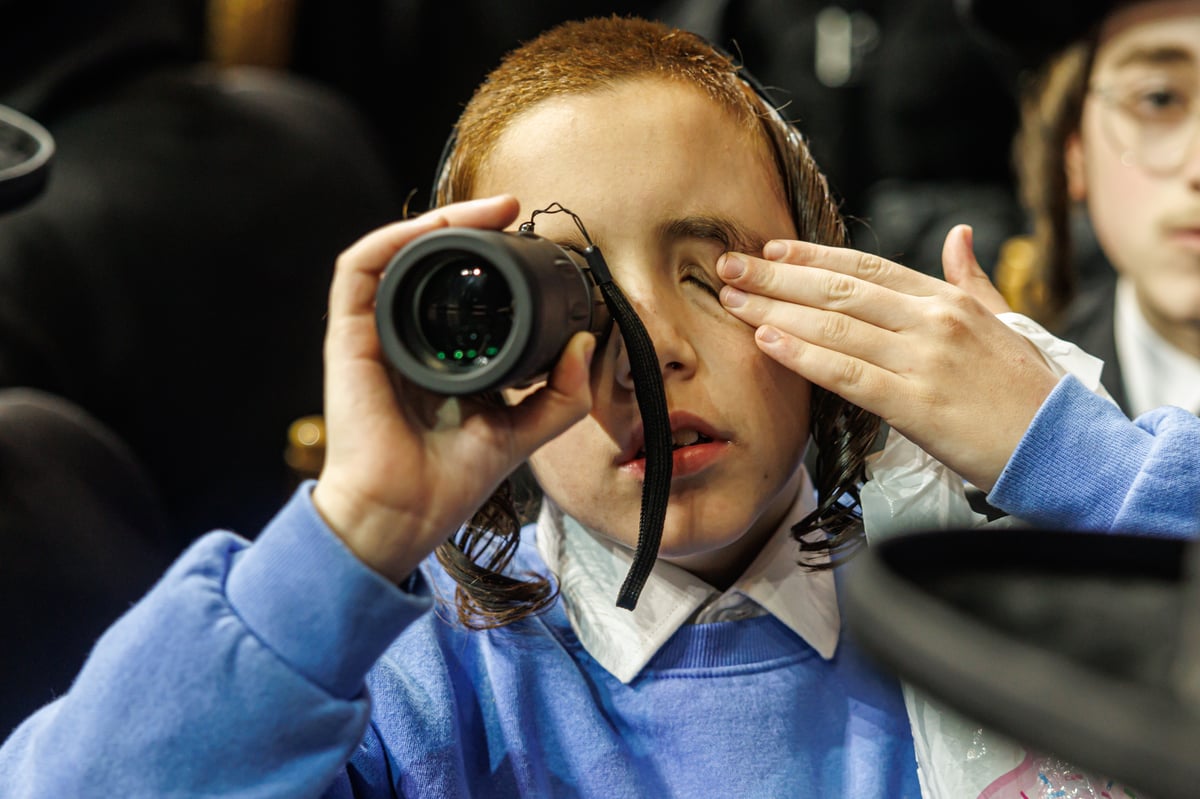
column 581, row 57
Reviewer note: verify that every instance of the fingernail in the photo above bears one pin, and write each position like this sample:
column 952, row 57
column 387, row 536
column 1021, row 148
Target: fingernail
column 731, row 267
column 768, row 335
column 774, row 249
column 589, row 349
column 732, row 298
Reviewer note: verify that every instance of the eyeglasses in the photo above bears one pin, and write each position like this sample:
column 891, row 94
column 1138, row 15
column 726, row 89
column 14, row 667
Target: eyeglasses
column 1153, row 123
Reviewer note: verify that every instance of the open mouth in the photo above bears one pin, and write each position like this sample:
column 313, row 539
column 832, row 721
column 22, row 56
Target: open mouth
column 681, row 439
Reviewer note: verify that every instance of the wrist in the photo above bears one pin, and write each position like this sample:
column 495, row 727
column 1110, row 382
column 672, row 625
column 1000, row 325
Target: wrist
column 373, row 532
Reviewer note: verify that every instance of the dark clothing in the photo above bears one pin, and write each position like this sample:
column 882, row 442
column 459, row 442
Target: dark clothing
column 172, row 279
column 169, row 287
column 908, row 117
column 1090, row 323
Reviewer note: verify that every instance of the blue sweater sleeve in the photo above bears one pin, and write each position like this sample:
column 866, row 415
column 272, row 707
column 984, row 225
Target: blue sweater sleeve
column 1083, row 465
column 240, row 673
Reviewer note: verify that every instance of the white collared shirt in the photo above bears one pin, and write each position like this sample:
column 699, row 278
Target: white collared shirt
column 590, row 570
column 1154, row 370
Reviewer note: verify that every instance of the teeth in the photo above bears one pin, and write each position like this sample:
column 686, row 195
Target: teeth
column 683, row 438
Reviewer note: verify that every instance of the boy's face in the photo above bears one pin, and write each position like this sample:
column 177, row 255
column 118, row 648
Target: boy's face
column 657, row 172
column 1136, row 159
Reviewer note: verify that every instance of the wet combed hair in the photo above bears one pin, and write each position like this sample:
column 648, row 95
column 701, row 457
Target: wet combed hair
column 582, row 57
column 1051, row 110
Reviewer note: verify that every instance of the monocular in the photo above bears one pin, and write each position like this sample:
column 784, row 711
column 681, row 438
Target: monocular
column 462, row 311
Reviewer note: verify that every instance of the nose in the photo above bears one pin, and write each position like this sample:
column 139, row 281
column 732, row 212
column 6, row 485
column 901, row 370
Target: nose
column 1189, row 152
column 1191, row 163
column 672, row 346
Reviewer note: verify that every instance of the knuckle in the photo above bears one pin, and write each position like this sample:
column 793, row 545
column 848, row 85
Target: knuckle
column 838, row 288
column 964, row 303
column 949, row 321
column 852, row 373
column 951, row 315
column 870, row 266
column 835, row 328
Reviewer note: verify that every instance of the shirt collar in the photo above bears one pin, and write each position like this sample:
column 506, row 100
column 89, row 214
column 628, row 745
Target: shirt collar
column 590, row 570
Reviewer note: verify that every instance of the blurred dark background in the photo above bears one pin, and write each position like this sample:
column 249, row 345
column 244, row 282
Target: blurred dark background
column 909, row 116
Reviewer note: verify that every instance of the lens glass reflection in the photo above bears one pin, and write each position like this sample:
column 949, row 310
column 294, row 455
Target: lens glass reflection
column 464, row 312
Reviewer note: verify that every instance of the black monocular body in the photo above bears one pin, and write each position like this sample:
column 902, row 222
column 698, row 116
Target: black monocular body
column 462, row 311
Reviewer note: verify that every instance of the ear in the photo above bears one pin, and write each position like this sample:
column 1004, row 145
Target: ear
column 1073, row 164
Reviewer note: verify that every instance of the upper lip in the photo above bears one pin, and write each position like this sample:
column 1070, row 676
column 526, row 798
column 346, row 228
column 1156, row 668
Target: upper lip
column 680, row 420
column 1183, row 223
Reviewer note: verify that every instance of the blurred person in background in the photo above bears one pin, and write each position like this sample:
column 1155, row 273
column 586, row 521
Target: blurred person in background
column 1109, row 163
column 162, row 306
column 171, row 279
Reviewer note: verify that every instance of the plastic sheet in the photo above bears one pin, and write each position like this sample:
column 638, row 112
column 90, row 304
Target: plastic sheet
column 908, row 490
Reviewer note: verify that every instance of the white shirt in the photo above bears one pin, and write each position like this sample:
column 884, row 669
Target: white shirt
column 590, row 570
column 1154, row 370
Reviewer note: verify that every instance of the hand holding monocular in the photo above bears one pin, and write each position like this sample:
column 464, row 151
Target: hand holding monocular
column 462, row 311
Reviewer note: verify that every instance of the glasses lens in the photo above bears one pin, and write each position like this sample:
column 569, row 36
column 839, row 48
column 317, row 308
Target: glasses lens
column 1152, row 121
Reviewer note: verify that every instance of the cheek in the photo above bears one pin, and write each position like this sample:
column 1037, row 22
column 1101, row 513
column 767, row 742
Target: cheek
column 789, row 396
column 772, row 398
column 1121, row 223
column 1120, row 202
column 569, row 463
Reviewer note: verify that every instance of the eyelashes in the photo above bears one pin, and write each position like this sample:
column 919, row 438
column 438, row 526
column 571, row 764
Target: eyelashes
column 696, row 276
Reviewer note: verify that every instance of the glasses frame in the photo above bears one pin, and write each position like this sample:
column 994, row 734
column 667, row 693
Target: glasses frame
column 1113, row 108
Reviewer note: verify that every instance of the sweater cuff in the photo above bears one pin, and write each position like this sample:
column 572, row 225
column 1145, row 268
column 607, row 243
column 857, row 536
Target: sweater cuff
column 316, row 605
column 1075, row 464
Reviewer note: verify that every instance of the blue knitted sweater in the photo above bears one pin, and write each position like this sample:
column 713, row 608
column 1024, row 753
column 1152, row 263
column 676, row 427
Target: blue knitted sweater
column 245, row 673
column 287, row 668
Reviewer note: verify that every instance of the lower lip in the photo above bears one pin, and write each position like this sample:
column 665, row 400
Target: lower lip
column 685, row 461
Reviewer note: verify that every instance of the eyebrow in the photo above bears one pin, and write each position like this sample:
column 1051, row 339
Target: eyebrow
column 728, row 233
column 1164, row 55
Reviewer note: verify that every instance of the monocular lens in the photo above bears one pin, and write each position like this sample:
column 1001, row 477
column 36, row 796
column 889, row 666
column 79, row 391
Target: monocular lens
column 464, row 309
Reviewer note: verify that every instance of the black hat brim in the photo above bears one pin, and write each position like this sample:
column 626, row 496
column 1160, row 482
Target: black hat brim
column 1068, row 642
column 1031, row 31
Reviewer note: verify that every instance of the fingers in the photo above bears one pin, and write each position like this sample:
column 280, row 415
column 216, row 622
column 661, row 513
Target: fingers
column 561, row 402
column 962, row 270
column 852, row 263
column 358, row 268
column 873, row 387
column 750, row 280
column 871, row 341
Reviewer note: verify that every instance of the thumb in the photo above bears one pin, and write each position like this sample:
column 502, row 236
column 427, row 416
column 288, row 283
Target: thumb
column 561, row 402
column 963, row 271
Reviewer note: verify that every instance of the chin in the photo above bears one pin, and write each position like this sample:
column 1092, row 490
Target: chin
column 685, row 538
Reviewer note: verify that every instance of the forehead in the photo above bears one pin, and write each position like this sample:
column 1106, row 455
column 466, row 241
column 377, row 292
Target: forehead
column 1164, row 32
column 637, row 141
column 655, row 112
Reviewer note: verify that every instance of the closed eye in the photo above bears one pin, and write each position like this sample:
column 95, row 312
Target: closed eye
column 697, row 277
